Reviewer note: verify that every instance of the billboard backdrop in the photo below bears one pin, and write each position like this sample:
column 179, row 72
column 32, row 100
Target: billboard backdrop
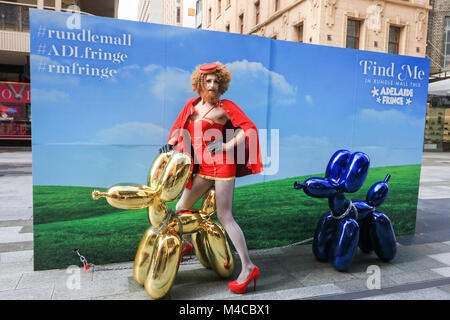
column 105, row 93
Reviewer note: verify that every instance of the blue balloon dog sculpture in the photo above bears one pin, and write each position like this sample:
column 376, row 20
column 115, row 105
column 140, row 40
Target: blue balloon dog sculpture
column 350, row 224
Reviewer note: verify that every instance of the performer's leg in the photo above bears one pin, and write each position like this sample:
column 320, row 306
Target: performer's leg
column 191, row 196
column 224, row 203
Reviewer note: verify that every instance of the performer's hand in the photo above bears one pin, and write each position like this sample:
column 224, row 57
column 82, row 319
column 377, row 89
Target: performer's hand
column 166, row 148
column 215, row 146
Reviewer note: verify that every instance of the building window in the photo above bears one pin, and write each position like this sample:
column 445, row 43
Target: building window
column 276, row 5
column 198, row 14
column 209, row 16
column 178, row 15
column 353, row 31
column 219, row 7
column 227, row 28
column 299, row 30
column 241, row 23
column 198, row 7
column 14, row 17
column 447, row 42
column 394, row 39
column 257, row 12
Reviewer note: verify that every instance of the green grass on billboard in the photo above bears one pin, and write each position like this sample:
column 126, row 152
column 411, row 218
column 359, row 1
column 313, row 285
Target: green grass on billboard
column 271, row 214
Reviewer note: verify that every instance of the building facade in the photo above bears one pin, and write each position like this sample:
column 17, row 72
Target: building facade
column 437, row 128
column 15, row 104
column 172, row 12
column 438, row 49
column 394, row 26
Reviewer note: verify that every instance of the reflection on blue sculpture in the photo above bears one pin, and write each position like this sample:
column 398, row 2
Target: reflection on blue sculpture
column 350, row 224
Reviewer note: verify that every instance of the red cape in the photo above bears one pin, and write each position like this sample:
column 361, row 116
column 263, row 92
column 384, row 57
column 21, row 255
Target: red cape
column 237, row 119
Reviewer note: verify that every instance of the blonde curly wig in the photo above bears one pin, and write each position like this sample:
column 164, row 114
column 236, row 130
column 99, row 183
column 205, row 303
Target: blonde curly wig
column 223, row 76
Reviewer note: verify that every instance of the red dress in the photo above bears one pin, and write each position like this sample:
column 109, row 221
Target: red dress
column 238, row 119
column 215, row 166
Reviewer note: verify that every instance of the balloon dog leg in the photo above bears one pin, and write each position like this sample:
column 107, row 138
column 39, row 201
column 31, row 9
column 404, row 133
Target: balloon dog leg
column 164, row 265
column 144, row 256
column 383, row 236
column 217, row 250
column 323, row 236
column 365, row 243
column 344, row 244
column 199, row 240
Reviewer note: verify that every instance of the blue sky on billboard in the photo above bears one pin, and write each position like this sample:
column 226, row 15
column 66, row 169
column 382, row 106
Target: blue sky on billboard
column 317, row 97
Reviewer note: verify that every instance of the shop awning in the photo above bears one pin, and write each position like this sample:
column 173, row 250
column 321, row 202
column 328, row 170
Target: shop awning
column 439, row 88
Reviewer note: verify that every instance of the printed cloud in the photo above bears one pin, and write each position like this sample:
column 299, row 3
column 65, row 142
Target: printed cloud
column 391, row 117
column 294, row 140
column 253, row 74
column 52, row 95
column 132, row 133
column 169, row 84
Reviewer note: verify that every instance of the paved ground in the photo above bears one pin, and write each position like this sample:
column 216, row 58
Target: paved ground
column 420, row 270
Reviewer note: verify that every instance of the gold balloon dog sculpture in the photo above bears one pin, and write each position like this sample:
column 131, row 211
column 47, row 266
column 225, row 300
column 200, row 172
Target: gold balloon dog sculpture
column 159, row 252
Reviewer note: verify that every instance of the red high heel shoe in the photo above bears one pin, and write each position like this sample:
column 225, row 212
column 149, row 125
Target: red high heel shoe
column 189, row 247
column 242, row 287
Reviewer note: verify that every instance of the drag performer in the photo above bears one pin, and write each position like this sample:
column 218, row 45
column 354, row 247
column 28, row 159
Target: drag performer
column 223, row 143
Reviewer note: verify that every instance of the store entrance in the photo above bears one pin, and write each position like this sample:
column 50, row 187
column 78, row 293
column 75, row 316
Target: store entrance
column 15, row 115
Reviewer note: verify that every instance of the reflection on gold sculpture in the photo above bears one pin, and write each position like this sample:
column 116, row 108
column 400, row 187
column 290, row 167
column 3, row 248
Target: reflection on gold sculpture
column 159, row 252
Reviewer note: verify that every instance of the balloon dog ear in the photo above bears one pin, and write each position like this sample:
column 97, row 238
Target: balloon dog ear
column 169, row 174
column 356, row 172
column 337, row 165
column 378, row 193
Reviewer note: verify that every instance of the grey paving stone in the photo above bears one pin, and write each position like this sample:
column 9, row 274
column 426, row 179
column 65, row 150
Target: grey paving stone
column 419, row 264
column 9, row 281
column 16, row 155
column 215, row 289
column 325, row 276
column 445, row 271
column 110, row 275
column 12, row 234
column 434, row 192
column 361, row 284
column 445, row 288
column 442, row 257
column 291, row 294
column 17, row 256
column 27, row 294
column 16, row 246
column 15, row 223
column 416, row 276
column 385, row 269
column 15, row 268
column 310, row 291
column 90, row 289
column 437, row 247
column 54, row 278
column 13, row 213
column 299, row 263
column 422, row 294
column 26, row 229
column 141, row 295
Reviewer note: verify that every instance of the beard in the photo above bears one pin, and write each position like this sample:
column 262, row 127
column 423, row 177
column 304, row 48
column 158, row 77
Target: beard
column 210, row 96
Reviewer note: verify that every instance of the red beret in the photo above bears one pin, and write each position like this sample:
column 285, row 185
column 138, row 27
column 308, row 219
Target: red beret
column 208, row 68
